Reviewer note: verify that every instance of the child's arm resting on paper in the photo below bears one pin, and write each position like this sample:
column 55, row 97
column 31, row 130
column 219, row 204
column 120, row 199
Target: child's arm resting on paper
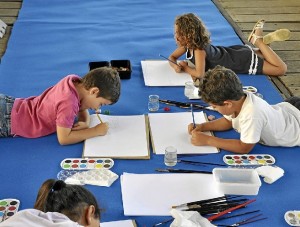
column 80, row 130
column 233, row 145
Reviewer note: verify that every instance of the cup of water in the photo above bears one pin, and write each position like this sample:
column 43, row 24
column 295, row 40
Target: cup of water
column 170, row 158
column 189, row 89
column 153, row 103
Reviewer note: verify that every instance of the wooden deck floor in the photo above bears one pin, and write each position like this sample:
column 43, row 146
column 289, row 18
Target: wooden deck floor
column 241, row 14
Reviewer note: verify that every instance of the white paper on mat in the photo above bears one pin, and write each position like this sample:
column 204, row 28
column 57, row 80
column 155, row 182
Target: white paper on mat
column 155, row 194
column 124, row 223
column 160, row 73
column 124, row 131
column 171, row 129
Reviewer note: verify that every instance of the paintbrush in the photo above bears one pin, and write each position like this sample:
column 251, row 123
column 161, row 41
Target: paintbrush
column 194, row 124
column 169, row 60
column 200, row 163
column 237, row 215
column 182, row 171
column 212, row 206
column 211, row 218
column 221, row 198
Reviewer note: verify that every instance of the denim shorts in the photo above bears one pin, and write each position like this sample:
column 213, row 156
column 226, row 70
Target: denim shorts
column 6, row 104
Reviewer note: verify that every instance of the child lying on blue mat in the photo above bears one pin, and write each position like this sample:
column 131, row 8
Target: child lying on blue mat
column 58, row 107
column 193, row 40
column 63, row 205
column 255, row 119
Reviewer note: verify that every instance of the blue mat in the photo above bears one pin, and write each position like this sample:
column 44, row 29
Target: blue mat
column 54, row 38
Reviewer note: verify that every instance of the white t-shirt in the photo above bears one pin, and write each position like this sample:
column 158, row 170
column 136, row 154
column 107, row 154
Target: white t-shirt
column 36, row 218
column 272, row 125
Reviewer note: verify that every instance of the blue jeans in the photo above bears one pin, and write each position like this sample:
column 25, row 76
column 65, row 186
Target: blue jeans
column 6, row 104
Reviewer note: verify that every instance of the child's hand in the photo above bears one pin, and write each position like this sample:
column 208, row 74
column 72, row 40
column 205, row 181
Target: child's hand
column 199, row 138
column 191, row 128
column 79, row 126
column 177, row 68
column 183, row 65
column 102, row 128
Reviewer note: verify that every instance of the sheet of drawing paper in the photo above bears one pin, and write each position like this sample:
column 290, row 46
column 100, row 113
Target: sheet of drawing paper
column 125, row 223
column 171, row 129
column 155, row 194
column 126, row 138
column 160, row 73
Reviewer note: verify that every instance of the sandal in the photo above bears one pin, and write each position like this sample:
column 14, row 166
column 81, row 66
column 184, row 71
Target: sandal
column 278, row 35
column 259, row 25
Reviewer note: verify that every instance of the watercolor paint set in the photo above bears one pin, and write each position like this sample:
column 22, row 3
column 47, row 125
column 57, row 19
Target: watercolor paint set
column 99, row 177
column 248, row 160
column 8, row 207
column 292, row 217
column 86, row 163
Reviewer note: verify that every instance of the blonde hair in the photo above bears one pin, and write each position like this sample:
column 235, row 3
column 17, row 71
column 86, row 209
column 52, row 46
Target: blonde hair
column 192, row 30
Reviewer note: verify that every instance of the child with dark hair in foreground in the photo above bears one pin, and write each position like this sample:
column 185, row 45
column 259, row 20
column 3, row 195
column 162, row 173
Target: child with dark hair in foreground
column 255, row 119
column 62, row 108
column 61, row 205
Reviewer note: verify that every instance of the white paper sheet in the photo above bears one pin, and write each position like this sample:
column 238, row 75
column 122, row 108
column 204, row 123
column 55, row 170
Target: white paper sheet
column 155, row 194
column 125, row 223
column 160, row 73
column 123, row 133
column 171, row 129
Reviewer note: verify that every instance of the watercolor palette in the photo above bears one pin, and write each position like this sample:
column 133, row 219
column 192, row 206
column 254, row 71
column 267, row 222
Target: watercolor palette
column 253, row 159
column 99, row 177
column 86, row 163
column 292, row 217
column 8, row 207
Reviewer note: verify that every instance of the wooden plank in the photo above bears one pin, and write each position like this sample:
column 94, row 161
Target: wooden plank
column 284, row 90
column 10, row 5
column 293, row 66
column 8, row 20
column 286, row 45
column 292, row 80
column 270, row 18
column 9, row 12
column 289, row 55
column 264, row 11
column 271, row 26
column 266, row 3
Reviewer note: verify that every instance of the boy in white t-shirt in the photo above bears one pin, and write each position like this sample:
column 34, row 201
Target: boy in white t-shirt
column 251, row 116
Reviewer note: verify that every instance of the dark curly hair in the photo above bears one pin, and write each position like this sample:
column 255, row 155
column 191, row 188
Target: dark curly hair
column 220, row 84
column 192, row 30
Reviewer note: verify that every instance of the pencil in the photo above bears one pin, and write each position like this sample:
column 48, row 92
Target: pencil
column 194, row 125
column 169, row 60
column 99, row 118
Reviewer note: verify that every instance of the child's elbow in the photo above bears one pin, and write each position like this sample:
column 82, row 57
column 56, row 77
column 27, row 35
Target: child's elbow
column 246, row 148
column 63, row 141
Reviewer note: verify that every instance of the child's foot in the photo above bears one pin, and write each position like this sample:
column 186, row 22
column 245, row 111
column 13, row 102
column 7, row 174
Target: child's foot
column 278, row 35
column 256, row 32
